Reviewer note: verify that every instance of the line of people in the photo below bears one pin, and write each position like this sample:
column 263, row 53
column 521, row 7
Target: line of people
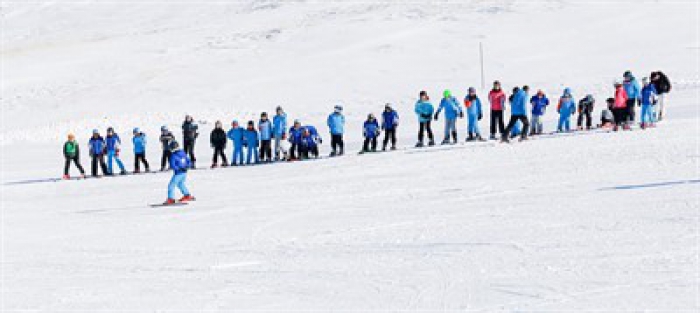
column 271, row 139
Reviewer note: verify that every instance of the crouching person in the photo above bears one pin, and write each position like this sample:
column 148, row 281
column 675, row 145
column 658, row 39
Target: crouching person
column 179, row 163
column 309, row 142
column 71, row 152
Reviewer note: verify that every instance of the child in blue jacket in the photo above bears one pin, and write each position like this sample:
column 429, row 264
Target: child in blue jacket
column 452, row 111
column 474, row 115
column 295, row 138
column 390, row 122
column 370, row 132
column 539, row 104
column 279, row 125
column 649, row 97
column 97, row 153
column 252, row 142
column 139, row 142
column 309, row 142
column 236, row 134
column 266, row 133
column 424, row 110
column 113, row 143
column 566, row 108
column 179, row 163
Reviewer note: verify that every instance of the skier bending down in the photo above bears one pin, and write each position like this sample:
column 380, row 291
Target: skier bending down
column 179, row 163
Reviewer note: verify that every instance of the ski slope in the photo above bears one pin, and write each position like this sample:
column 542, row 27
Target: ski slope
column 606, row 221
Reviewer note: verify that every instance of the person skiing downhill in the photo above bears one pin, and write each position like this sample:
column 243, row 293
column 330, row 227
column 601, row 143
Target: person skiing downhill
column 390, row 122
column 295, row 139
column 649, row 99
column 518, row 113
column 472, row 105
column 165, row 138
column 112, row 144
column 620, row 107
column 266, row 130
column 190, row 133
column 633, row 91
column 566, row 108
column 252, row 142
column 179, row 163
column 424, row 109
column 237, row 135
column 71, row 152
column 663, row 87
column 218, row 140
column 336, row 124
column 497, row 99
column 139, row 141
column 97, row 153
column 585, row 110
column 452, row 111
column 279, row 125
column 539, row 104
column 370, row 130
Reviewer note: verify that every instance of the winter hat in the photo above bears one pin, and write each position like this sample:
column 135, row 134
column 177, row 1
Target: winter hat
column 173, row 146
column 472, row 89
column 447, row 93
column 234, row 122
column 251, row 123
column 164, row 128
column 95, row 131
column 218, row 124
column 388, row 106
column 423, row 93
column 279, row 109
column 297, row 122
column 110, row 129
column 338, row 108
column 645, row 80
column 567, row 91
column 370, row 116
column 263, row 114
column 137, row 130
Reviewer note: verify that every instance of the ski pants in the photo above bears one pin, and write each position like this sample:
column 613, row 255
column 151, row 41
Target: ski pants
column 189, row 149
column 620, row 116
column 473, row 124
column 368, row 141
column 450, row 129
column 647, row 116
column 177, row 181
column 587, row 116
column 663, row 98
column 77, row 164
column 140, row 158
column 305, row 151
column 278, row 146
column 252, row 155
column 113, row 156
column 497, row 120
column 564, row 123
column 165, row 159
column 631, row 103
column 266, row 150
column 516, row 130
column 337, row 142
column 425, row 127
column 237, row 157
column 390, row 134
column 536, row 125
column 511, row 124
column 99, row 159
column 219, row 152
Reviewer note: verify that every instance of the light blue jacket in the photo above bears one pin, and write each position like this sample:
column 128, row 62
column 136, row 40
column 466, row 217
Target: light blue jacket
column 632, row 89
column 279, row 125
column 519, row 105
column 475, row 108
column 567, row 106
column 139, row 144
column 424, row 110
column 237, row 136
column 336, row 122
column 266, row 129
column 451, row 107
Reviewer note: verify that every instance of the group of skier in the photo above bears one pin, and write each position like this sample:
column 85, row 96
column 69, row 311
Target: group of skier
column 271, row 140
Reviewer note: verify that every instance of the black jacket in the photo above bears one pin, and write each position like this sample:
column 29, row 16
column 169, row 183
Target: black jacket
column 662, row 84
column 189, row 131
column 218, row 138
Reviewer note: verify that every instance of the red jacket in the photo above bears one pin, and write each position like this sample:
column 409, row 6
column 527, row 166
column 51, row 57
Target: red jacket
column 620, row 98
column 497, row 99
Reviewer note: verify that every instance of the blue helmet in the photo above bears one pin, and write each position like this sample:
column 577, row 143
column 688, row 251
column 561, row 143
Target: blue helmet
column 95, row 131
column 136, row 130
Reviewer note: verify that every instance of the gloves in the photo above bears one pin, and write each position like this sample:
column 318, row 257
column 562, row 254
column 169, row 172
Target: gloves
column 436, row 116
column 461, row 114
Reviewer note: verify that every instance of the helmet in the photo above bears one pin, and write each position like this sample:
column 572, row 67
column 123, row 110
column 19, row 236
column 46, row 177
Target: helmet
column 370, row 116
column 297, row 122
column 627, row 74
column 110, row 129
column 567, row 91
column 173, row 146
column 589, row 97
column 234, row 122
column 472, row 89
column 447, row 93
column 263, row 114
column 279, row 108
column 95, row 131
column 423, row 93
column 136, row 130
column 338, row 108
column 164, row 128
column 388, row 106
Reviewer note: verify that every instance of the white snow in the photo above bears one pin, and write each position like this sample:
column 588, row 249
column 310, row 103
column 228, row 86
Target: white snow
column 606, row 221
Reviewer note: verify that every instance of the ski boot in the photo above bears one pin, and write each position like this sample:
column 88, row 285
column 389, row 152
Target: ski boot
column 431, row 143
column 213, row 166
column 66, row 177
column 419, row 144
column 122, row 173
column 470, row 138
column 393, row 147
column 479, row 138
column 504, row 139
column 169, row 201
column 333, row 153
column 186, row 198
column 445, row 142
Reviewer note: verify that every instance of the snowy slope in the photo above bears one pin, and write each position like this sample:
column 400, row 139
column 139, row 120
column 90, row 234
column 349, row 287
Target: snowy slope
column 591, row 222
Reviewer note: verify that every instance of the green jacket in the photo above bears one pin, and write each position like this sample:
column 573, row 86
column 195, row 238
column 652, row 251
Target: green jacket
column 71, row 149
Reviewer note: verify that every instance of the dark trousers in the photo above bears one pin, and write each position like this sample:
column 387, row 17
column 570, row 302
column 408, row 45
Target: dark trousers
column 368, row 141
column 189, row 149
column 337, row 142
column 425, row 127
column 295, row 151
column 305, row 151
column 631, row 103
column 138, row 159
column 77, row 164
column 587, row 116
column 514, row 119
column 497, row 120
column 219, row 151
column 165, row 159
column 266, row 150
column 99, row 159
column 390, row 134
column 620, row 116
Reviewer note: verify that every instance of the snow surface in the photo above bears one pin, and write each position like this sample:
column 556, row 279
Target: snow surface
column 592, row 222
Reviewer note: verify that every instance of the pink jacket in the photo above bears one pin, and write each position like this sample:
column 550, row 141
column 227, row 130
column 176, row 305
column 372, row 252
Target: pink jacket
column 620, row 98
column 497, row 99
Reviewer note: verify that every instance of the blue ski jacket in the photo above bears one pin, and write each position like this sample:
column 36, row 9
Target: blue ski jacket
column 336, row 123
column 518, row 106
column 474, row 108
column 139, row 144
column 266, row 129
column 390, row 120
column 648, row 94
column 279, row 123
column 451, row 107
column 371, row 129
column 179, row 162
column 424, row 110
column 251, row 139
column 113, row 142
column 97, row 145
column 295, row 135
column 539, row 105
column 567, row 105
column 632, row 88
column 236, row 135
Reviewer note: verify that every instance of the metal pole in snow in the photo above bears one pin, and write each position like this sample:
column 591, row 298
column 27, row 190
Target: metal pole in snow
column 481, row 56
